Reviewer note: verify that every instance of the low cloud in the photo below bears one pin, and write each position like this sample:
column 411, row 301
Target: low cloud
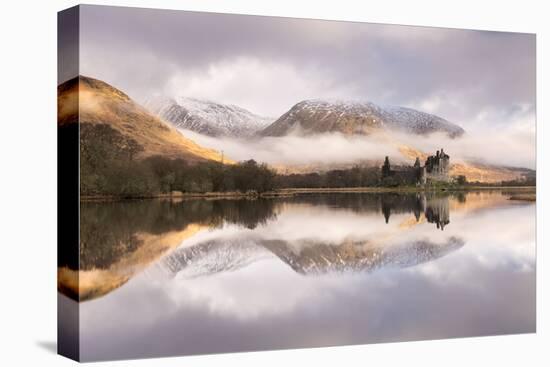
column 511, row 146
column 298, row 150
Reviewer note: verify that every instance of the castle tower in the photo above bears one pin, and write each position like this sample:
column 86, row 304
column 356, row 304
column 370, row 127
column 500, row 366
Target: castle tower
column 437, row 166
column 386, row 168
column 420, row 172
column 444, row 164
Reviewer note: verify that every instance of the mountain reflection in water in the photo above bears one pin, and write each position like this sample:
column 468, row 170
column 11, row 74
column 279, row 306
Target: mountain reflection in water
column 314, row 257
column 161, row 278
column 121, row 239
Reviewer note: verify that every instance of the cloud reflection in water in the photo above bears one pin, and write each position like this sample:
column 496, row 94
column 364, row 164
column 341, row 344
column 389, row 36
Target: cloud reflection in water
column 309, row 277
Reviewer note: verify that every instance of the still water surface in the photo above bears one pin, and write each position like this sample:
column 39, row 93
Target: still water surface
column 207, row 276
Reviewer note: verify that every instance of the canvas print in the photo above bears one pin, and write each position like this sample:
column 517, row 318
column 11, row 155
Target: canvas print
column 232, row 183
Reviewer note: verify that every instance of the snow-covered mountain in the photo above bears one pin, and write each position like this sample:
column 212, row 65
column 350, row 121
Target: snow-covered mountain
column 207, row 117
column 352, row 117
column 418, row 122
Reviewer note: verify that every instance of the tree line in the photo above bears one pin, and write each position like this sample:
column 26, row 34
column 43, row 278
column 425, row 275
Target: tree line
column 357, row 176
column 158, row 175
column 130, row 178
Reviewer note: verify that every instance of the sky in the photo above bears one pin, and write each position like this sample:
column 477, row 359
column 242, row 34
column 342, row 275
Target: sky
column 267, row 64
column 483, row 81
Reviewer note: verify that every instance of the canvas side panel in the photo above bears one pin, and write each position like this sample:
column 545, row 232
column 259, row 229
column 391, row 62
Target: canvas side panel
column 68, row 200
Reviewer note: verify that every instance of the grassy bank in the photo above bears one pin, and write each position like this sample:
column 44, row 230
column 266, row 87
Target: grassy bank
column 527, row 193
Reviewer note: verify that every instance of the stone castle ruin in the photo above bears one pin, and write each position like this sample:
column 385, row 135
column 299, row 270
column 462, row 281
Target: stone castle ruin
column 436, row 168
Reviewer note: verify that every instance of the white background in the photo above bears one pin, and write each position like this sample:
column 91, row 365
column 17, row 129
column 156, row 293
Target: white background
column 28, row 181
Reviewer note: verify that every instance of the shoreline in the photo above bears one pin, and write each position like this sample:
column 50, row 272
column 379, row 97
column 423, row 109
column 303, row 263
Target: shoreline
column 301, row 191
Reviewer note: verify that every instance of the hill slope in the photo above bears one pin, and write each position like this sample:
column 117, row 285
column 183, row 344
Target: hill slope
column 109, row 118
column 321, row 116
column 205, row 117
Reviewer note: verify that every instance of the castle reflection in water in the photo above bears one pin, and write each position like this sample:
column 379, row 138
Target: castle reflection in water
column 435, row 208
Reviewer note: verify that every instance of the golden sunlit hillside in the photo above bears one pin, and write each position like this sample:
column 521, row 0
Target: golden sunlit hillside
column 102, row 109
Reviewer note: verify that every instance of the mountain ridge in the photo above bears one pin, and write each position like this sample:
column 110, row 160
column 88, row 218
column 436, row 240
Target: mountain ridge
column 356, row 117
column 207, row 117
